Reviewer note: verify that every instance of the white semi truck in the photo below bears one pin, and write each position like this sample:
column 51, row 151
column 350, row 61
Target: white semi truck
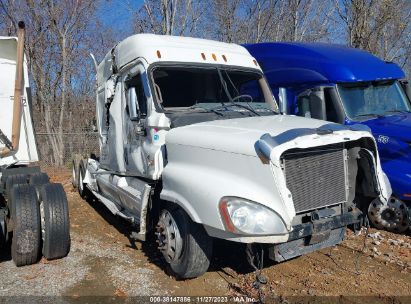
column 192, row 148
column 33, row 212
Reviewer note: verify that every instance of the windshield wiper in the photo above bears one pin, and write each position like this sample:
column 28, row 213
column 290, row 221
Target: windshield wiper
column 261, row 108
column 230, row 98
column 207, row 110
column 397, row 111
column 233, row 104
column 369, row 115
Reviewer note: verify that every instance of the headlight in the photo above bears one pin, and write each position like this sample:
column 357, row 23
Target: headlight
column 246, row 217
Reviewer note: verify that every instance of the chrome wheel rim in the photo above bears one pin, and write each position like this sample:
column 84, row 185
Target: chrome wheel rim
column 80, row 182
column 168, row 236
column 42, row 221
column 74, row 175
column 392, row 217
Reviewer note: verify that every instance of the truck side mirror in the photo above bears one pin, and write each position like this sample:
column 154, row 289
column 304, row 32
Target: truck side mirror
column 312, row 104
column 132, row 103
column 317, row 104
column 282, row 100
column 407, row 88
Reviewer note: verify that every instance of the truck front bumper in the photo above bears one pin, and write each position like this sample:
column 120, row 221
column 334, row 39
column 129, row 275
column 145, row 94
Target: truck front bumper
column 315, row 235
column 302, row 231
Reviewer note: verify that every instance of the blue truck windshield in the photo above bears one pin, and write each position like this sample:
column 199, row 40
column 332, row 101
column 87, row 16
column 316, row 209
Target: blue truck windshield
column 363, row 100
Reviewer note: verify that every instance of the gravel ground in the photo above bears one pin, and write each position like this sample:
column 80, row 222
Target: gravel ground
column 88, row 258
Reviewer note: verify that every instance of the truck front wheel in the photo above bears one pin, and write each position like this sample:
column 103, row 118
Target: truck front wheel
column 184, row 244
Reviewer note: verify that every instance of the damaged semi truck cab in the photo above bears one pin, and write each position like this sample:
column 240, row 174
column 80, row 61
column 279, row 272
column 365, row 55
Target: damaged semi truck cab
column 349, row 86
column 192, row 147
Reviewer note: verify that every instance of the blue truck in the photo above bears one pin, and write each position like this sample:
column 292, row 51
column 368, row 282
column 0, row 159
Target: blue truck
column 349, row 86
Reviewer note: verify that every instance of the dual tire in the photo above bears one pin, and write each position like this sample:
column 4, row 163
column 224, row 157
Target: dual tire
column 40, row 220
column 84, row 192
column 54, row 221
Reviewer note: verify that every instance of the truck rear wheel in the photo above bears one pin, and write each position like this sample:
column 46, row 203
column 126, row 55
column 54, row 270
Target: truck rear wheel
column 38, row 179
column 3, row 229
column 81, row 187
column 184, row 244
column 74, row 173
column 55, row 225
column 14, row 180
column 25, row 216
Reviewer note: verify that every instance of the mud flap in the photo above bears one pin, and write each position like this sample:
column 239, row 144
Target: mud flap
column 292, row 249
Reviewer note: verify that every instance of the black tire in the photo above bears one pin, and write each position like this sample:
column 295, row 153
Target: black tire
column 39, row 179
column 84, row 192
column 197, row 247
column 25, row 216
column 55, row 224
column 14, row 180
column 3, row 230
column 74, row 174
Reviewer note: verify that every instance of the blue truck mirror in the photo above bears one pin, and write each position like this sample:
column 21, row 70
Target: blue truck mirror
column 317, row 104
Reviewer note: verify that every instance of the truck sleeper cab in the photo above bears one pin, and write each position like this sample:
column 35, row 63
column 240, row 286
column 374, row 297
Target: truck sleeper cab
column 349, row 86
column 192, row 148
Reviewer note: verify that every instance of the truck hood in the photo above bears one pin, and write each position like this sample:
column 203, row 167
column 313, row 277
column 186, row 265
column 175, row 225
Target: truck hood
column 240, row 135
column 396, row 126
column 393, row 137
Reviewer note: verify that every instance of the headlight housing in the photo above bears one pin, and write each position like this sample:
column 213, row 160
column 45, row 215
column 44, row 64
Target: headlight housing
column 242, row 216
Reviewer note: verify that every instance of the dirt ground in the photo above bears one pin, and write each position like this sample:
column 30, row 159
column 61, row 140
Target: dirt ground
column 373, row 267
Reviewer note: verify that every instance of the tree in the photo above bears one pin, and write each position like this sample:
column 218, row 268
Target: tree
column 381, row 27
column 56, row 33
column 169, row 17
column 256, row 21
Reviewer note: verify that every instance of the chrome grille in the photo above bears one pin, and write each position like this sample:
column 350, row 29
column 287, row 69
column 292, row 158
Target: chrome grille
column 316, row 178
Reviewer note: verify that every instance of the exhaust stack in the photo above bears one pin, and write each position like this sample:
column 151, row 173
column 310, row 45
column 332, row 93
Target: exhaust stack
column 13, row 146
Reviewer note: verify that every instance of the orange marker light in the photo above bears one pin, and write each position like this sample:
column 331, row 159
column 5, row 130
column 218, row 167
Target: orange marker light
column 224, row 58
column 203, row 55
column 407, row 195
column 158, row 54
column 226, row 217
column 214, row 57
column 255, row 62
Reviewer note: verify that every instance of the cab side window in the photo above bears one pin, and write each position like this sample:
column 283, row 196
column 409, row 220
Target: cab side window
column 136, row 84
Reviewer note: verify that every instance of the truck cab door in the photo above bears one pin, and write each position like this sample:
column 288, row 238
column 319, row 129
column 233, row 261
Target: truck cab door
column 136, row 111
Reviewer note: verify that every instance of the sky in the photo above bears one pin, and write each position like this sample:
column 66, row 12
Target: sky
column 118, row 13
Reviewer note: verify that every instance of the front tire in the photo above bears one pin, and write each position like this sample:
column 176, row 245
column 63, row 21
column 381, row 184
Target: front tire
column 392, row 217
column 184, row 244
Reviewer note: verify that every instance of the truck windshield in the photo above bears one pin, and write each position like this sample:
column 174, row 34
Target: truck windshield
column 212, row 89
column 373, row 99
